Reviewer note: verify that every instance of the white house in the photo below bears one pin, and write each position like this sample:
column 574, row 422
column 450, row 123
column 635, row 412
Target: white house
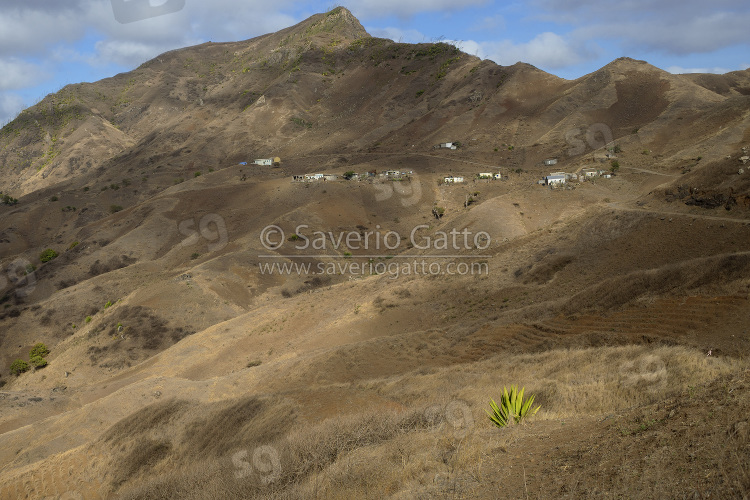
column 263, row 161
column 550, row 161
column 554, row 180
column 392, row 173
column 498, row 176
column 448, row 145
column 486, row 175
column 330, row 177
column 313, row 177
column 298, row 178
column 454, row 179
column 588, row 172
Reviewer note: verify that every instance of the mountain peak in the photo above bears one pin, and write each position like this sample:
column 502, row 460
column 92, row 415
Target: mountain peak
column 339, row 21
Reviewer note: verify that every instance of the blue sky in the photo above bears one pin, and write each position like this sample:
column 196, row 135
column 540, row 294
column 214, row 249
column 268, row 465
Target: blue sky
column 46, row 45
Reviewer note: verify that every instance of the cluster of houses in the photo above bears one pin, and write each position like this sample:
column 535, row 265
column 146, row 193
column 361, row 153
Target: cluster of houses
column 372, row 175
column 459, row 179
column 559, row 178
column 275, row 162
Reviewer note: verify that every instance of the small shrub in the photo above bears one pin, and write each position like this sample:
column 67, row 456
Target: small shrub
column 108, row 304
column 38, row 362
column 114, row 208
column 30, row 268
column 8, row 200
column 54, row 198
column 512, row 408
column 39, row 350
column 420, row 92
column 88, row 319
column 86, row 188
column 615, row 165
column 256, row 362
column 197, row 174
column 73, row 245
column 617, row 149
column 195, row 256
column 47, row 255
column 18, row 367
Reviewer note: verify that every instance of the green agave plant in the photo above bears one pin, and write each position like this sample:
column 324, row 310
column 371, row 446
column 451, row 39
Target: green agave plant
column 512, row 408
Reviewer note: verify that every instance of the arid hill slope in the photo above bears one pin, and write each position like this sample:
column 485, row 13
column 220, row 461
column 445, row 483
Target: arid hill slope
column 172, row 350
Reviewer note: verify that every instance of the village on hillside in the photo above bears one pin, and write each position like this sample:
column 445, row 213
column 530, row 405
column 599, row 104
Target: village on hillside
column 554, row 180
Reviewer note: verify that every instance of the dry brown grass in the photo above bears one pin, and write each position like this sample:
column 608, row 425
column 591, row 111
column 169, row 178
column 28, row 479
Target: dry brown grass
column 434, row 449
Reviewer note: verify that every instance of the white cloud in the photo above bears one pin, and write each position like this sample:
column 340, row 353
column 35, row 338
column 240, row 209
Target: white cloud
column 10, row 105
column 678, row 70
column 16, row 74
column 30, row 31
column 744, row 66
column 367, row 9
column 670, row 26
column 546, row 50
column 399, row 35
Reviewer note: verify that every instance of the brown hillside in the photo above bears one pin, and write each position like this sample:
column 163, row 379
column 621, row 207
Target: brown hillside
column 180, row 368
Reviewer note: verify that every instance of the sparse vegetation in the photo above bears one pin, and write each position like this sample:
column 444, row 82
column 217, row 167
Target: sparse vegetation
column 114, row 208
column 37, row 362
column 39, row 350
column 8, row 200
column 301, row 122
column 615, row 165
column 18, row 367
column 47, row 255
